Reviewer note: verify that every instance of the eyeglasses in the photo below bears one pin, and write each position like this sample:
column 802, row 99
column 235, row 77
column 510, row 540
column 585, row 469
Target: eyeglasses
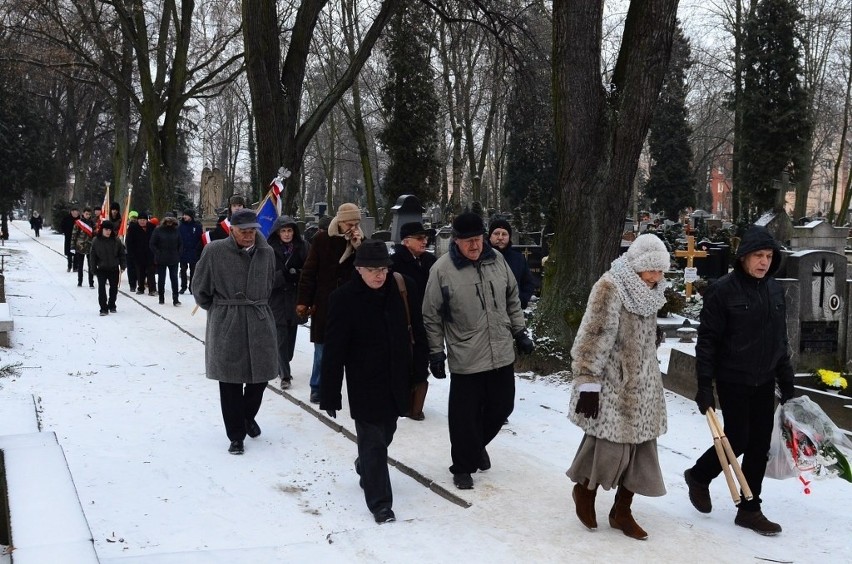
column 417, row 237
column 376, row 271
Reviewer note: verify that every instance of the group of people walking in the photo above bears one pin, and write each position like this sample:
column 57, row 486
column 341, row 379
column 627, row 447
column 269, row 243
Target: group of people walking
column 148, row 252
column 618, row 397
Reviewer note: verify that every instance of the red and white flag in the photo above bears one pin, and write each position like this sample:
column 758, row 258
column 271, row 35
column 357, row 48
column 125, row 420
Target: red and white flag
column 205, row 238
column 84, row 227
column 225, row 224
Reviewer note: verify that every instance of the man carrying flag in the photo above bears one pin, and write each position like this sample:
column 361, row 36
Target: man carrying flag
column 270, row 208
column 81, row 244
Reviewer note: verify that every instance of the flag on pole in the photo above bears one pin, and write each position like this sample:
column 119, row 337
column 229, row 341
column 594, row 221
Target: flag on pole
column 84, row 227
column 225, row 224
column 104, row 209
column 205, row 238
column 122, row 229
column 267, row 213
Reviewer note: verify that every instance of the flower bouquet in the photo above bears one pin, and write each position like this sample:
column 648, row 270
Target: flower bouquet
column 806, row 441
column 830, row 380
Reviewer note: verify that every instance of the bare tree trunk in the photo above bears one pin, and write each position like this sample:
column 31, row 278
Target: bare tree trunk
column 599, row 136
column 838, row 162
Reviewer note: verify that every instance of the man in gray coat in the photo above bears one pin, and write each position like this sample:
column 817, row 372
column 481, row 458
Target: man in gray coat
column 232, row 282
column 472, row 304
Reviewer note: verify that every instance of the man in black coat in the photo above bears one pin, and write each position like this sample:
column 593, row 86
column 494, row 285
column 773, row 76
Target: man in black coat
column 411, row 259
column 138, row 242
column 368, row 334
column 742, row 345
column 67, row 229
column 500, row 237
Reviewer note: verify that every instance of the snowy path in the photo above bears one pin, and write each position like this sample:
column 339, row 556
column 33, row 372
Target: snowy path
column 142, row 432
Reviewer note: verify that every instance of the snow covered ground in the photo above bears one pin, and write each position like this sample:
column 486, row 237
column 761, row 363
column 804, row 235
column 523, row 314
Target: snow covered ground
column 141, row 429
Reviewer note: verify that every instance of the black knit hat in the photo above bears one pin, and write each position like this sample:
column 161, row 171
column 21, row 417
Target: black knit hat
column 467, row 224
column 114, row 206
column 107, row 224
column 372, row 253
column 190, row 212
column 499, row 224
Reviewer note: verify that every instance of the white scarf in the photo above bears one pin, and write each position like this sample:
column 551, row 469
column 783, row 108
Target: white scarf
column 635, row 295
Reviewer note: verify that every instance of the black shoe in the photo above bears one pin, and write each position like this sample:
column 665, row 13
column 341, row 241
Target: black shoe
column 183, row 290
column 252, row 429
column 699, row 494
column 236, row 447
column 286, row 383
column 103, row 312
column 92, row 286
column 757, row 522
column 140, row 292
column 162, row 300
column 153, row 293
column 176, row 302
column 79, row 284
column 315, row 397
column 384, row 515
column 484, row 461
column 463, row 481
column 112, row 310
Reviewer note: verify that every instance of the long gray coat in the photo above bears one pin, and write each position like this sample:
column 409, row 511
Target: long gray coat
column 241, row 344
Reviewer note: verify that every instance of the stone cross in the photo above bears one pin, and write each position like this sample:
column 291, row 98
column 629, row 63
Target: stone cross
column 822, row 271
column 690, row 253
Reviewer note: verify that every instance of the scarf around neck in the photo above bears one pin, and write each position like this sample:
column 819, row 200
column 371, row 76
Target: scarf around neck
column 635, row 295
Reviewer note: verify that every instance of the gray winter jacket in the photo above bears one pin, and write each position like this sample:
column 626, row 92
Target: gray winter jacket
column 234, row 286
column 474, row 307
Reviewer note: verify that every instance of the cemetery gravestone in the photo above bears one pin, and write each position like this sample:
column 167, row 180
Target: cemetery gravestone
column 407, row 209
column 815, row 287
column 442, row 240
column 819, row 235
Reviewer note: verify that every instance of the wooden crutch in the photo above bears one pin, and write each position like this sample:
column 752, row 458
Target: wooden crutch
column 728, row 459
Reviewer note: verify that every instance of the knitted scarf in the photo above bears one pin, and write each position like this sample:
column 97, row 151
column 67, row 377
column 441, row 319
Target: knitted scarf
column 635, row 295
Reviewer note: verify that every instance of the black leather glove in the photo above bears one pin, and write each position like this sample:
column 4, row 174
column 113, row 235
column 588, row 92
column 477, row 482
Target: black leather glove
column 705, row 398
column 788, row 391
column 332, row 413
column 436, row 365
column 588, row 404
column 524, row 343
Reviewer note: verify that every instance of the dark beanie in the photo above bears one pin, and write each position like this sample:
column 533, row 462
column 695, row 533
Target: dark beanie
column 467, row 224
column 499, row 224
column 107, row 225
column 114, row 206
column 190, row 213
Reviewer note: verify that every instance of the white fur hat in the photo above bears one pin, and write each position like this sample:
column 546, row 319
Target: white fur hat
column 648, row 252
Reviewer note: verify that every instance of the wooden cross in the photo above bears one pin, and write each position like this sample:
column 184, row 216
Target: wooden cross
column 690, row 253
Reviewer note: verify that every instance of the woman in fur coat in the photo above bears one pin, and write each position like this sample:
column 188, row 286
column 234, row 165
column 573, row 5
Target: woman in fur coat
column 618, row 392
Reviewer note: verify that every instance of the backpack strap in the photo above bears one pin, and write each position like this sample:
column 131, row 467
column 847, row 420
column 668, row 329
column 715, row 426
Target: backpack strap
column 400, row 282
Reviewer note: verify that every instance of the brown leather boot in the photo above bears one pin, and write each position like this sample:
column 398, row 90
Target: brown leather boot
column 584, row 501
column 418, row 398
column 621, row 518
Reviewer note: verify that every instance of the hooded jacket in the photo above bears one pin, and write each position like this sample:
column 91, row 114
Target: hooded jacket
column 288, row 269
column 166, row 244
column 742, row 337
column 474, row 307
column 108, row 253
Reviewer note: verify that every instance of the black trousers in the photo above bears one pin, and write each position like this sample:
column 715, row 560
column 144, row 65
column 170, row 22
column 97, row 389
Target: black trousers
column 104, row 277
column 374, row 438
column 79, row 258
column 184, row 266
column 748, row 416
column 131, row 273
column 286, row 347
column 173, row 279
column 479, row 405
column 145, row 276
column 239, row 405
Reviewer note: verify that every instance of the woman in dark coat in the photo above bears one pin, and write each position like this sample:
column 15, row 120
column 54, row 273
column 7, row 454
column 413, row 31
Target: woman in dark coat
column 166, row 245
column 138, row 249
column 291, row 251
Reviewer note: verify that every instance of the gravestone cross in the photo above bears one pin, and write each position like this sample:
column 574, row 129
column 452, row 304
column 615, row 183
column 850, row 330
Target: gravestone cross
column 690, row 253
column 823, row 273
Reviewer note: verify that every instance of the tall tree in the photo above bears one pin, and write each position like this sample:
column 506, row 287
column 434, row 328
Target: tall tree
column 600, row 129
column 410, row 135
column 531, row 155
column 775, row 124
column 671, row 186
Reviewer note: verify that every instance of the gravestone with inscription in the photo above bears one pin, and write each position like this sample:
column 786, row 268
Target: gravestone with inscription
column 815, row 290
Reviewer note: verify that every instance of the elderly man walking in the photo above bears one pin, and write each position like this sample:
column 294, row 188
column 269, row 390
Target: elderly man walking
column 232, row 282
column 472, row 304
